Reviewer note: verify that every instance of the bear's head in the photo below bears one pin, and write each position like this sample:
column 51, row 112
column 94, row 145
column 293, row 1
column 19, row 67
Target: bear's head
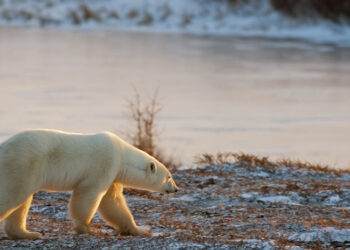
column 142, row 171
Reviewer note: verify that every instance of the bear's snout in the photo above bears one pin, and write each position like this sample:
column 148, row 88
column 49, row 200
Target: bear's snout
column 172, row 189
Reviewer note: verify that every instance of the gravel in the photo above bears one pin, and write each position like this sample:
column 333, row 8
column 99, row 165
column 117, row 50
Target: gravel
column 217, row 207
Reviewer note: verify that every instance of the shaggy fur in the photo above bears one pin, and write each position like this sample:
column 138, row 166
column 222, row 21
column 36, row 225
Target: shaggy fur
column 94, row 166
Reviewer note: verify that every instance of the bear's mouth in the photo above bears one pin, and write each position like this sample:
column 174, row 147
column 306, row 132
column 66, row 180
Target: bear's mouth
column 167, row 192
column 170, row 192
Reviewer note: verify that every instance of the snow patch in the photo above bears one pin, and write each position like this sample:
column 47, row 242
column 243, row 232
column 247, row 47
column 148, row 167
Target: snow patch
column 254, row 196
column 183, row 198
column 334, row 199
column 261, row 174
column 249, row 196
column 325, row 235
column 185, row 245
column 255, row 243
column 276, row 199
column 156, row 234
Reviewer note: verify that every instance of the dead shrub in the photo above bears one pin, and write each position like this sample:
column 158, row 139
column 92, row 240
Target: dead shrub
column 89, row 14
column 147, row 19
column 218, row 159
column 145, row 134
column 113, row 14
column 133, row 14
column 74, row 17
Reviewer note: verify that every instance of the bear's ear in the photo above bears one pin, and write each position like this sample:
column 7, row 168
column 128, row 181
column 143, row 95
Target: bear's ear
column 152, row 167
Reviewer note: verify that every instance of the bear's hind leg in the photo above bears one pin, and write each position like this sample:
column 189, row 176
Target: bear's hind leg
column 15, row 226
column 115, row 212
column 82, row 207
column 5, row 211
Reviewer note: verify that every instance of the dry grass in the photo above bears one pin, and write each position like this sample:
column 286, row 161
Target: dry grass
column 218, row 159
column 145, row 134
column 251, row 160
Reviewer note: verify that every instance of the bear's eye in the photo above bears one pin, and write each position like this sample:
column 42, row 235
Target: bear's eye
column 152, row 167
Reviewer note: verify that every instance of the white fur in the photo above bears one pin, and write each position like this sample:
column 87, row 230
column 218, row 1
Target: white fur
column 94, row 166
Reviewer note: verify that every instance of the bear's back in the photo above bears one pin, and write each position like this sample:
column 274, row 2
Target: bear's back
column 59, row 158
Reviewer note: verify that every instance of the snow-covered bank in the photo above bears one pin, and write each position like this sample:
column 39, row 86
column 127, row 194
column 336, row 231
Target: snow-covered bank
column 252, row 18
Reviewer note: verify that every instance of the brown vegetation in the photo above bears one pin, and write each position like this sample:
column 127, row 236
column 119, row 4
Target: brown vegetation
column 84, row 13
column 145, row 134
column 89, row 14
column 253, row 160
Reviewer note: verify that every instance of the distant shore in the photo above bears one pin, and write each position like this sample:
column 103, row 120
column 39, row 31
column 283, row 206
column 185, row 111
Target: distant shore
column 301, row 20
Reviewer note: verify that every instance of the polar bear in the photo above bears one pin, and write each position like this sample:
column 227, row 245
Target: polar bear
column 94, row 166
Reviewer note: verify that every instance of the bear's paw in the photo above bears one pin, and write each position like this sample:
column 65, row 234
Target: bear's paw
column 82, row 229
column 24, row 235
column 138, row 231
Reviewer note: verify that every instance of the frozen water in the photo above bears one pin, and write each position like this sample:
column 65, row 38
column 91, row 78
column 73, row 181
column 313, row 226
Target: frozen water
column 219, row 94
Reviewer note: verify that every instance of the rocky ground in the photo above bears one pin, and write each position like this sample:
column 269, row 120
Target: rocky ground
column 239, row 205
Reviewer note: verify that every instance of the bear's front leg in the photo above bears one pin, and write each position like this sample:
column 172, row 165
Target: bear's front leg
column 15, row 226
column 115, row 212
column 82, row 207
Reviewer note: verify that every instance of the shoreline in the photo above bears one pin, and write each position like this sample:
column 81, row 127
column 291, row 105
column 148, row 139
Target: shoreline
column 194, row 17
column 291, row 41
